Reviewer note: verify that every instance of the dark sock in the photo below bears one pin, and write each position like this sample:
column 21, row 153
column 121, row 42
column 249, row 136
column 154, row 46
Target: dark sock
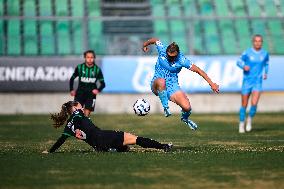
column 148, row 143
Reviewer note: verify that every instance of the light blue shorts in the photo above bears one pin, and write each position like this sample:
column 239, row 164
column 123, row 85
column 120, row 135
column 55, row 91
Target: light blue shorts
column 171, row 87
column 249, row 87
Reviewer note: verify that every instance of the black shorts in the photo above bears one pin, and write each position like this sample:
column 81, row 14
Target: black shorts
column 106, row 139
column 88, row 101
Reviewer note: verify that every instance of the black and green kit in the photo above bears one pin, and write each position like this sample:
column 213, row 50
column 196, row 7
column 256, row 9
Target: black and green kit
column 100, row 140
column 90, row 78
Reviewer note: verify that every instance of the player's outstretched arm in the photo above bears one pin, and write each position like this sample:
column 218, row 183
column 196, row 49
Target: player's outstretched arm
column 149, row 42
column 214, row 86
column 57, row 144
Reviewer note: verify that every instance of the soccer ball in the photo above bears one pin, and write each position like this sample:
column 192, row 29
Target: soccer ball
column 141, row 107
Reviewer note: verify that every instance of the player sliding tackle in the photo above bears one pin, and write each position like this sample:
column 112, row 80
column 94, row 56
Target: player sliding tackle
column 165, row 81
column 81, row 127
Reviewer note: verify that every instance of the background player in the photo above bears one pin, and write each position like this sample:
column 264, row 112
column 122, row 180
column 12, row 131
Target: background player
column 91, row 82
column 81, row 127
column 165, row 81
column 253, row 61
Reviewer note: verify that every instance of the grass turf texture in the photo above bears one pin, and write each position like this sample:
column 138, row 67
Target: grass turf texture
column 214, row 156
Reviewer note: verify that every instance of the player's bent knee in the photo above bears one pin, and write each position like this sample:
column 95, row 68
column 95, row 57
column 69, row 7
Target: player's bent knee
column 161, row 82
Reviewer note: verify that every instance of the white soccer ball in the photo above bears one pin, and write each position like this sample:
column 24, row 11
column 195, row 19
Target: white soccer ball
column 141, row 107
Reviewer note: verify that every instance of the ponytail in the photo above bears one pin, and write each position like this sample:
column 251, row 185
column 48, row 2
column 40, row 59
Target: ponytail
column 60, row 118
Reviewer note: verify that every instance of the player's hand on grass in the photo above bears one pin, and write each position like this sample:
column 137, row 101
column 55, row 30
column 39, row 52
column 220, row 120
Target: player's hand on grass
column 246, row 68
column 45, row 152
column 73, row 93
column 95, row 91
column 215, row 87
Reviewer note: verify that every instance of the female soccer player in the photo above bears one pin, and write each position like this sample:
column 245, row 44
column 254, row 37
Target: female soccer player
column 91, row 82
column 165, row 81
column 81, row 127
column 253, row 61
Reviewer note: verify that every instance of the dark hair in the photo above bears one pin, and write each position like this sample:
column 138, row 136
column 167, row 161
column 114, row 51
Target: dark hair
column 89, row 51
column 173, row 47
column 60, row 118
column 257, row 35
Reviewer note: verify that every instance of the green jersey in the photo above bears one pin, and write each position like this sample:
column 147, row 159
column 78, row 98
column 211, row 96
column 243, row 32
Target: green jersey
column 90, row 78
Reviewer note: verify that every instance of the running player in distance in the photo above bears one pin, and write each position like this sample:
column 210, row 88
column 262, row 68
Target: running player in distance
column 254, row 63
column 81, row 127
column 165, row 81
column 91, row 82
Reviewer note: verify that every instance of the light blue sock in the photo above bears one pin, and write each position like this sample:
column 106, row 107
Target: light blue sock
column 164, row 98
column 252, row 111
column 242, row 113
column 185, row 115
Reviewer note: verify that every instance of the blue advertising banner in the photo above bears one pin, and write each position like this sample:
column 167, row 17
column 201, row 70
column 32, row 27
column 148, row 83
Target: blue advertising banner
column 134, row 74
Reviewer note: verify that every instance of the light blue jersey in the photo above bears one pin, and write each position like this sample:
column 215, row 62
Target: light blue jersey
column 169, row 70
column 258, row 63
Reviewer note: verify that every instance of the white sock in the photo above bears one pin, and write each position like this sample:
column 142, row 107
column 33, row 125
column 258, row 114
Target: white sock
column 242, row 127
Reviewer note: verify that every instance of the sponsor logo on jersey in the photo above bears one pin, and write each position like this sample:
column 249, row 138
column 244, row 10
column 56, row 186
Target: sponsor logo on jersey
column 88, row 80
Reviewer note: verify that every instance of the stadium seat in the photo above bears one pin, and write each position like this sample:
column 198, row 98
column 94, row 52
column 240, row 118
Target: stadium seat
column 1, row 38
column 77, row 7
column 278, row 42
column 77, row 37
column 228, row 37
column 30, row 37
column 93, row 8
column 270, row 8
column 45, row 8
column 63, row 37
column 275, row 27
column 96, row 40
column 242, row 26
column 221, row 7
column 13, row 8
column 158, row 10
column 61, row 8
column 244, row 42
column 1, row 7
column 258, row 27
column 160, row 27
column 211, row 37
column 14, row 39
column 29, row 8
column 95, row 28
column 253, row 8
column 238, row 8
column 173, row 8
column 197, row 41
column 47, row 38
column 206, row 7
column 189, row 7
column 177, row 27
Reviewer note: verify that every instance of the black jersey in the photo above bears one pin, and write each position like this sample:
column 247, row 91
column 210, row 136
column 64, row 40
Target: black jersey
column 79, row 121
column 89, row 78
column 100, row 140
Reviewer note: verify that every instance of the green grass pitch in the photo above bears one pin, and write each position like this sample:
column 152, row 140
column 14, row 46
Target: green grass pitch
column 214, row 156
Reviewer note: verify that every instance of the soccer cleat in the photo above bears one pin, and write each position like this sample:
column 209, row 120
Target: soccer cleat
column 241, row 127
column 167, row 112
column 248, row 125
column 168, row 147
column 190, row 123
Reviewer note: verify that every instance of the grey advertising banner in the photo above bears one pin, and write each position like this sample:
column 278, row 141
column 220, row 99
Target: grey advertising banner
column 37, row 74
